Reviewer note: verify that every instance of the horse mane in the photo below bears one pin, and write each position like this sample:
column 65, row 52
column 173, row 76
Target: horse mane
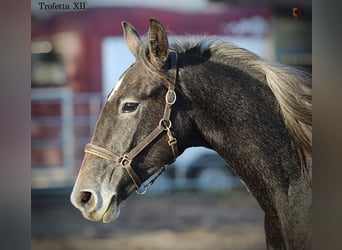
column 291, row 86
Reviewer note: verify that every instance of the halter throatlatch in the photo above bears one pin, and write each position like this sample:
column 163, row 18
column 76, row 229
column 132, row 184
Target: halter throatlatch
column 165, row 124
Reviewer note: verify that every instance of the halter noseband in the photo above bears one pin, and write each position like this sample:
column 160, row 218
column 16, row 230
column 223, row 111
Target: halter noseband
column 164, row 125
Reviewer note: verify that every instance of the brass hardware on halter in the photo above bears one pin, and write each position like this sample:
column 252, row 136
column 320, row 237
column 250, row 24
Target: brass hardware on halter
column 172, row 140
column 165, row 124
column 124, row 160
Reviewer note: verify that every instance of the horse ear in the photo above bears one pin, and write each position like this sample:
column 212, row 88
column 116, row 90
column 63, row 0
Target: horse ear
column 132, row 38
column 157, row 43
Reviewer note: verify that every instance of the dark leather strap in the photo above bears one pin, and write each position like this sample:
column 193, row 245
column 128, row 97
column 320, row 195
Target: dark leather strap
column 135, row 178
column 144, row 143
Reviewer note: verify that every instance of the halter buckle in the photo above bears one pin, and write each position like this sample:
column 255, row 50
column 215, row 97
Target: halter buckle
column 125, row 160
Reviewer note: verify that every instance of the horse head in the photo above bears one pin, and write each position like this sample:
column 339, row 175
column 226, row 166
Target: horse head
column 136, row 132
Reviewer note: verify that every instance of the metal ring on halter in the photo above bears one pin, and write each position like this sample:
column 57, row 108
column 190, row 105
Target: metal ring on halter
column 145, row 189
column 146, row 186
column 165, row 126
column 170, row 97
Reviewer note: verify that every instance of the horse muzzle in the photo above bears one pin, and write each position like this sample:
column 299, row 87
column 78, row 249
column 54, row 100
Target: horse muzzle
column 96, row 207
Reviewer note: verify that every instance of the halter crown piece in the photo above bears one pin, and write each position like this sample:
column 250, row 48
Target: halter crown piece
column 164, row 125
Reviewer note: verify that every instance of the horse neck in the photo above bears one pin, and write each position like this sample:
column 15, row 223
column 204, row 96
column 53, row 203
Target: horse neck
column 238, row 116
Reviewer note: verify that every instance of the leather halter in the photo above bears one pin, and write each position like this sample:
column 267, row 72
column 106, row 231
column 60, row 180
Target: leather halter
column 164, row 125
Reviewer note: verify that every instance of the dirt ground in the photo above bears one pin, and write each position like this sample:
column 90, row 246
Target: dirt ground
column 179, row 220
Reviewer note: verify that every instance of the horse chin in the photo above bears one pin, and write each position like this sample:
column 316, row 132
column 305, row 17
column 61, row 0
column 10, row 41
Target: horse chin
column 105, row 214
column 112, row 212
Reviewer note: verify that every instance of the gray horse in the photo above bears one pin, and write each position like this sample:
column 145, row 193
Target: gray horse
column 255, row 114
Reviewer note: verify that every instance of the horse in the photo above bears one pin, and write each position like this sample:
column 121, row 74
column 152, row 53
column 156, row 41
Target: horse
column 255, row 113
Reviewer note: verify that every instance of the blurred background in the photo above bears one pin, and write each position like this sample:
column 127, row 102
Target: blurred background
column 78, row 53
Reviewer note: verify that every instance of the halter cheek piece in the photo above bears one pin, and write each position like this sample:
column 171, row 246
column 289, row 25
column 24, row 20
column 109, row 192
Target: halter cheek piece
column 164, row 125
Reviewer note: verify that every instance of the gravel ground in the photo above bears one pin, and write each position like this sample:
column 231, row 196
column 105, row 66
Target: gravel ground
column 180, row 220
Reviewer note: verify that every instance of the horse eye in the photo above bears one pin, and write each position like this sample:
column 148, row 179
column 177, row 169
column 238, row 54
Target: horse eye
column 129, row 107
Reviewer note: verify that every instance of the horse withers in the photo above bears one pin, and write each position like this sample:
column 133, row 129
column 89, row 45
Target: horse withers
column 256, row 114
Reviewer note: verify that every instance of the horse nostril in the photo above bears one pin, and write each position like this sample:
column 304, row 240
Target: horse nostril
column 85, row 197
column 84, row 200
